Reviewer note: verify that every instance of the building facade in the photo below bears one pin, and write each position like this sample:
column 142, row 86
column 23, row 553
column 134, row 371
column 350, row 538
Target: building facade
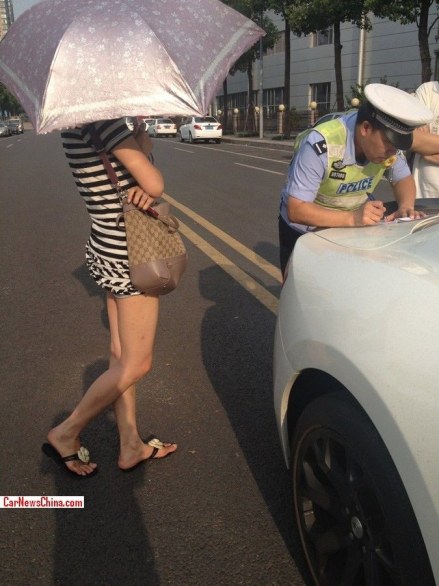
column 6, row 16
column 388, row 52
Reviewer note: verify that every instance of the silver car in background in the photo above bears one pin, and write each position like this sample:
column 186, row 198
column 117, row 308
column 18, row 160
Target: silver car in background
column 356, row 397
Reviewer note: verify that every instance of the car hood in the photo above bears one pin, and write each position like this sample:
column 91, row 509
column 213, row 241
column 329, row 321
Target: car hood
column 381, row 235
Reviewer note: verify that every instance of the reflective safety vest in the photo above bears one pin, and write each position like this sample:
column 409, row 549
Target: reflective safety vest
column 343, row 187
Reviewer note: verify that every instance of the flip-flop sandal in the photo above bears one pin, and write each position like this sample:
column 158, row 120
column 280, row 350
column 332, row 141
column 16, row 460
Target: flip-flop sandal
column 82, row 455
column 156, row 445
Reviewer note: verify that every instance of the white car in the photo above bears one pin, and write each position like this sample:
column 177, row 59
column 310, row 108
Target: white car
column 129, row 121
column 162, row 127
column 356, row 396
column 201, row 128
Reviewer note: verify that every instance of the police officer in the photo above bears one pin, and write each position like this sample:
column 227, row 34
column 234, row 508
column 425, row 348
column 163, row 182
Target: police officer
column 336, row 167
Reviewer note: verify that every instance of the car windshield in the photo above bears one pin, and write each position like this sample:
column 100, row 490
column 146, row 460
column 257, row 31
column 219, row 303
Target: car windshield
column 165, row 121
column 205, row 119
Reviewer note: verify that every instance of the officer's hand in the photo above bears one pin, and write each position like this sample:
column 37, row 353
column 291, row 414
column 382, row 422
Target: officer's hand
column 404, row 212
column 369, row 213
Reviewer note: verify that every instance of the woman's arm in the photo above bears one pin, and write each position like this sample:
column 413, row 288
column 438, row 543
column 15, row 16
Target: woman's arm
column 147, row 176
column 424, row 142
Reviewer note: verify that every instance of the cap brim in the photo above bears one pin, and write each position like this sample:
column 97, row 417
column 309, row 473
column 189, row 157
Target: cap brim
column 400, row 141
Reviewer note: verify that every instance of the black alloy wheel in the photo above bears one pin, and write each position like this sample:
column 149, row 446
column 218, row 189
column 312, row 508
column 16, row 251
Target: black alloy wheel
column 354, row 518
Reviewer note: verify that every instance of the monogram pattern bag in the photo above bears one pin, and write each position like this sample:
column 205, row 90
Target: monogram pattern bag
column 156, row 253
column 157, row 256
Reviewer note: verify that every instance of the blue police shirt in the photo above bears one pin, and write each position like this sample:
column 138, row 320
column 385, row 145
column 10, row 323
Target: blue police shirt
column 307, row 169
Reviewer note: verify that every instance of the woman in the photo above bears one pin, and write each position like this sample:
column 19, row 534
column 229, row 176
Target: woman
column 132, row 315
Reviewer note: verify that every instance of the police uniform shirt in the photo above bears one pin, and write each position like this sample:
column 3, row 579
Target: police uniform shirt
column 308, row 167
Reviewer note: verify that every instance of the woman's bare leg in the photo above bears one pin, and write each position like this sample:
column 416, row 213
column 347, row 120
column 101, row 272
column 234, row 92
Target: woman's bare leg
column 132, row 449
column 137, row 320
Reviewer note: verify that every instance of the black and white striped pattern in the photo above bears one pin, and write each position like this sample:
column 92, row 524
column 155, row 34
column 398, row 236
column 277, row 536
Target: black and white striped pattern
column 106, row 250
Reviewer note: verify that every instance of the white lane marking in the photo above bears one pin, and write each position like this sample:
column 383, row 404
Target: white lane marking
column 9, row 146
column 184, row 151
column 260, row 169
column 241, row 154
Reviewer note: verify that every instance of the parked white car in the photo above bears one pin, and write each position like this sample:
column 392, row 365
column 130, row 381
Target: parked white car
column 162, row 127
column 129, row 121
column 201, row 128
column 356, row 396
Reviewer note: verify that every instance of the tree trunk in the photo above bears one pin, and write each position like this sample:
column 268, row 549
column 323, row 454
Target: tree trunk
column 337, row 65
column 424, row 48
column 226, row 107
column 287, row 78
column 250, row 121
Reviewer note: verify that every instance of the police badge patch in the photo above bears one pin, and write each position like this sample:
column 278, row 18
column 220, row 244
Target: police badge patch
column 320, row 147
column 338, row 165
column 337, row 175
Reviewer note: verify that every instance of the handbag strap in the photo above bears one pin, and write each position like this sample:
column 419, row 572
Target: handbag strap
column 100, row 150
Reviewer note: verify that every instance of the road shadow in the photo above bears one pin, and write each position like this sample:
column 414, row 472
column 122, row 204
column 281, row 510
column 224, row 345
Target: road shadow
column 106, row 542
column 237, row 348
column 93, row 290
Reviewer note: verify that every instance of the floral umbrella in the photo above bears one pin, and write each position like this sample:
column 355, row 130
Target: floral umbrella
column 71, row 62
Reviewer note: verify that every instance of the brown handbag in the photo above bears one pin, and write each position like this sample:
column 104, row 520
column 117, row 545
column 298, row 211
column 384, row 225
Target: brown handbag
column 157, row 256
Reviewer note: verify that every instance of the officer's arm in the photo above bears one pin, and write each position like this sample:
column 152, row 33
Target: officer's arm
column 311, row 214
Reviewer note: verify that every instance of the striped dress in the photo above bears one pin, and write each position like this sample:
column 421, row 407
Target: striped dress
column 106, row 249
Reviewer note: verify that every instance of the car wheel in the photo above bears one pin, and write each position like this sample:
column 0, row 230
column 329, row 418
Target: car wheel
column 353, row 515
column 191, row 138
column 218, row 140
column 181, row 138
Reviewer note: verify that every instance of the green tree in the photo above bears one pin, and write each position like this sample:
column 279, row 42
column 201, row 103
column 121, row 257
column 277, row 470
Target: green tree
column 311, row 16
column 281, row 7
column 253, row 9
column 8, row 102
column 408, row 12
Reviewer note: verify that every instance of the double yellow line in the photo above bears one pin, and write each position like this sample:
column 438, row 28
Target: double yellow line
column 250, row 284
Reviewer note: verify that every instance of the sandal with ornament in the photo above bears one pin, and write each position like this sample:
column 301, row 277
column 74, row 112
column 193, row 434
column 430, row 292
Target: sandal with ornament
column 156, row 445
column 82, row 455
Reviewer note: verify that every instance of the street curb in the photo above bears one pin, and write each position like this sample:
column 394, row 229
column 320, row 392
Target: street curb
column 284, row 145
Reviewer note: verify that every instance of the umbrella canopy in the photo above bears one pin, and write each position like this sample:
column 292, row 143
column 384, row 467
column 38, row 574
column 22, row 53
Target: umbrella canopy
column 70, row 62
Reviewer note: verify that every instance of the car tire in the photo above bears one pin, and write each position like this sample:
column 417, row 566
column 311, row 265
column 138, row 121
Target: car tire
column 191, row 138
column 218, row 140
column 353, row 515
column 181, row 138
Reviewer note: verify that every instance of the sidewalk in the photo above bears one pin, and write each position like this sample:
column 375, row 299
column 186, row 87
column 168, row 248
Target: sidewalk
column 266, row 142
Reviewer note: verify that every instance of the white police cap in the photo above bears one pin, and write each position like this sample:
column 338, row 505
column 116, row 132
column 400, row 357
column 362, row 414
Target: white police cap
column 398, row 112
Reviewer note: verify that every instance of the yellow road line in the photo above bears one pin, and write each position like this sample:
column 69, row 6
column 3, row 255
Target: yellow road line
column 250, row 255
column 252, row 286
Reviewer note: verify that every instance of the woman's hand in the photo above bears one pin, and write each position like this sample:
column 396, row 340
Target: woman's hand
column 139, row 198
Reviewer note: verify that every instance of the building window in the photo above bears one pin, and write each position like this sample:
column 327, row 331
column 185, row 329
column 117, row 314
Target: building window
column 238, row 100
column 436, row 66
column 273, row 97
column 324, row 37
column 321, row 94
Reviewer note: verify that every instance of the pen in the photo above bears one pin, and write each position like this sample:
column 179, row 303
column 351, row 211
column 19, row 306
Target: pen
column 370, row 197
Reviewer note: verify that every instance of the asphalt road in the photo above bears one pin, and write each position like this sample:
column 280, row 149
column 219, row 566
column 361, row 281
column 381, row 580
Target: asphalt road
column 219, row 511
